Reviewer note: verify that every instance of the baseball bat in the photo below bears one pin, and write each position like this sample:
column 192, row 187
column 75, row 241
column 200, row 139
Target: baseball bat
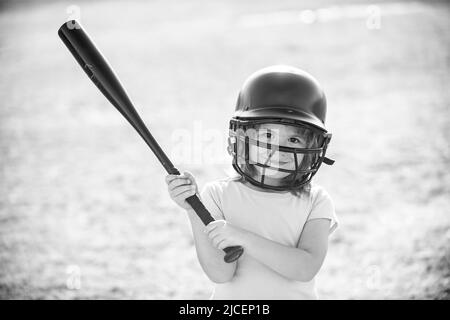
column 100, row 72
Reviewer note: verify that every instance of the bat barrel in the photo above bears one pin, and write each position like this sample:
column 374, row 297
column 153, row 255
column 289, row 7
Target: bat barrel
column 102, row 75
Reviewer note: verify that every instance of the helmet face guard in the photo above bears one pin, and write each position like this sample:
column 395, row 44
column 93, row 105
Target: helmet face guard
column 267, row 164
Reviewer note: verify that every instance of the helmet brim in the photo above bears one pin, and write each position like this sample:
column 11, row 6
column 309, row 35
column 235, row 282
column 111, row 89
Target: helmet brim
column 285, row 113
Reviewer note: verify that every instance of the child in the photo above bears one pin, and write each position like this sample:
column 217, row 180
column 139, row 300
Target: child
column 278, row 141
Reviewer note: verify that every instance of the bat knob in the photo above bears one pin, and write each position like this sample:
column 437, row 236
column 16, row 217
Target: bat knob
column 233, row 253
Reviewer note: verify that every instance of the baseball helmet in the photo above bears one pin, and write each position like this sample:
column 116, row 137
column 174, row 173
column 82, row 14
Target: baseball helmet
column 277, row 135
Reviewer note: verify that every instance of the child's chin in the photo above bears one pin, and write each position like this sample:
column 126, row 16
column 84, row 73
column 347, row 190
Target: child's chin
column 273, row 174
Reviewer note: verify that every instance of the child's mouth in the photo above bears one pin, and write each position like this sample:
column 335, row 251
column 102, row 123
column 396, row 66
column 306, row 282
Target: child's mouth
column 277, row 163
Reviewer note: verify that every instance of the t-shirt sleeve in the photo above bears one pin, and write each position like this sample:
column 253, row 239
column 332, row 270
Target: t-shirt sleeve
column 210, row 196
column 323, row 208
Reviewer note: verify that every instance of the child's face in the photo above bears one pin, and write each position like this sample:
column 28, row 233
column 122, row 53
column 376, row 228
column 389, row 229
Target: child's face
column 276, row 134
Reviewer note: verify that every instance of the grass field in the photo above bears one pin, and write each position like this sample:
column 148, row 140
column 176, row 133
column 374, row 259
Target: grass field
column 84, row 211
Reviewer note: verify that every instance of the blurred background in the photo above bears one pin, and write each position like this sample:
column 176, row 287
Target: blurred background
column 84, row 211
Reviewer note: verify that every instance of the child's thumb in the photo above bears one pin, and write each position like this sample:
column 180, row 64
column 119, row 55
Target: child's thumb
column 189, row 176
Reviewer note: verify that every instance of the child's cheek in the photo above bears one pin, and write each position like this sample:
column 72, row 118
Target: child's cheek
column 255, row 154
column 300, row 159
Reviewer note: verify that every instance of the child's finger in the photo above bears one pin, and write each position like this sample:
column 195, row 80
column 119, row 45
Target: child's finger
column 189, row 175
column 178, row 182
column 224, row 244
column 216, row 235
column 171, row 177
column 180, row 189
column 182, row 196
column 213, row 225
column 217, row 241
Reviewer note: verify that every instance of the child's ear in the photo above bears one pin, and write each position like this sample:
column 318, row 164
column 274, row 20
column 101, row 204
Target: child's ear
column 230, row 150
column 230, row 147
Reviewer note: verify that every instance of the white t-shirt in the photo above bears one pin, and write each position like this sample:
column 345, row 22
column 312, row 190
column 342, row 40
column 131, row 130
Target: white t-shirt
column 279, row 217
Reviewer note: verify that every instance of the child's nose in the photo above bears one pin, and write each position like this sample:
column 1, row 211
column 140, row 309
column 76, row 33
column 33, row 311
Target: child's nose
column 280, row 157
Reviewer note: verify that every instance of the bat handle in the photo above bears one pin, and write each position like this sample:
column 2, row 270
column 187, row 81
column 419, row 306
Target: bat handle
column 231, row 253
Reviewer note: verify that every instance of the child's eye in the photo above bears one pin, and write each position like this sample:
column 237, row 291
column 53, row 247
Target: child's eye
column 295, row 140
column 265, row 135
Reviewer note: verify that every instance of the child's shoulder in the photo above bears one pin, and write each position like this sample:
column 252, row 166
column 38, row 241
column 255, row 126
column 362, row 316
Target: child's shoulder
column 318, row 193
column 222, row 184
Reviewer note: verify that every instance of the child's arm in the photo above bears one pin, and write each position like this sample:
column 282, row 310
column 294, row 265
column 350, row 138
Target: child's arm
column 301, row 263
column 210, row 258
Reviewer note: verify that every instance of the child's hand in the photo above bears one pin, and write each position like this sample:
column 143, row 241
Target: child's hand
column 181, row 187
column 223, row 234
